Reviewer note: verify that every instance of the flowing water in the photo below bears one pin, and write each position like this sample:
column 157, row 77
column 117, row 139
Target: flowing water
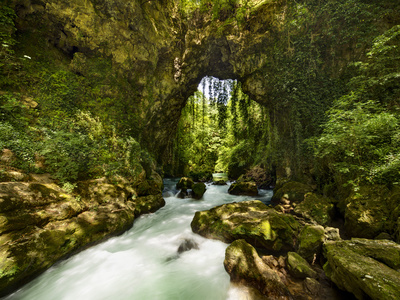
column 143, row 263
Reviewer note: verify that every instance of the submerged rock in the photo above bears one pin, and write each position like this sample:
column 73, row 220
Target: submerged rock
column 248, row 188
column 243, row 263
column 186, row 245
column 253, row 221
column 367, row 268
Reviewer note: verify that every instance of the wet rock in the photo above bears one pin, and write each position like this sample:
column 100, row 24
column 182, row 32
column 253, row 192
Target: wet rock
column 366, row 268
column 299, row 267
column 292, row 190
column 243, row 188
column 253, row 221
column 315, row 208
column 311, row 239
column 244, row 265
column 185, row 183
column 198, row 190
column 219, row 182
column 186, row 245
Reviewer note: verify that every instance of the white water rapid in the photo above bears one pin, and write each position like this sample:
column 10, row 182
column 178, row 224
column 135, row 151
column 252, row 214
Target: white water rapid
column 143, row 263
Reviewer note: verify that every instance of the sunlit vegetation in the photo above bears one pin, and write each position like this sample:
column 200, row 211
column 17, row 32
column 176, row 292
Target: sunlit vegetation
column 221, row 129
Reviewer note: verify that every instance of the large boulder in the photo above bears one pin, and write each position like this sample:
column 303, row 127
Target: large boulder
column 372, row 210
column 315, row 208
column 247, row 188
column 184, row 183
column 367, row 268
column 310, row 241
column 260, row 176
column 243, row 264
column 292, row 190
column 252, row 221
column 198, row 190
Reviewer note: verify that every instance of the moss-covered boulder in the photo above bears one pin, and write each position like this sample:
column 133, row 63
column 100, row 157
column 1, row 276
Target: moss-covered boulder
column 315, row 208
column 299, row 267
column 184, row 183
column 198, row 190
column 366, row 268
column 310, row 241
column 247, row 188
column 243, row 264
column 252, row 221
column 292, row 190
column 370, row 211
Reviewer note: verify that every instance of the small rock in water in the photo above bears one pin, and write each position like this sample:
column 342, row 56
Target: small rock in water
column 186, row 245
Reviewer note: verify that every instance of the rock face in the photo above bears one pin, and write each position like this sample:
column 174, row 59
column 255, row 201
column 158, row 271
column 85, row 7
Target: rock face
column 247, row 188
column 252, row 221
column 41, row 223
column 243, row 264
column 367, row 268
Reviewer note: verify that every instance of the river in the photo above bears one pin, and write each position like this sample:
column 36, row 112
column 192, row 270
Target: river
column 143, row 263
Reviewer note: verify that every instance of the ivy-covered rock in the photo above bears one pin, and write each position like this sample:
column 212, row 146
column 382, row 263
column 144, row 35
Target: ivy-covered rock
column 367, row 268
column 243, row 264
column 292, row 190
column 198, row 190
column 315, row 208
column 248, row 188
column 299, row 267
column 252, row 221
column 185, row 183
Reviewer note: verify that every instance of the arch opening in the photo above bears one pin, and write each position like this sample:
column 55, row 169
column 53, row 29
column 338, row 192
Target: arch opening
column 220, row 130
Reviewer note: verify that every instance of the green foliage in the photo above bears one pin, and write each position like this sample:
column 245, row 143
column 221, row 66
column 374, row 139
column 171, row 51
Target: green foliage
column 227, row 132
column 8, row 61
column 360, row 142
column 84, row 148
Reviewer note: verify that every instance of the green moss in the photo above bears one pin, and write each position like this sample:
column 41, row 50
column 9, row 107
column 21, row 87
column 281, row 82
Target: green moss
column 299, row 267
column 316, row 208
column 250, row 220
column 292, row 190
column 311, row 239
